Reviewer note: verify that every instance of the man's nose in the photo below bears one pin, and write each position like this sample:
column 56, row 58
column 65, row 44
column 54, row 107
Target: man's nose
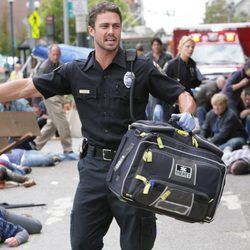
column 111, row 29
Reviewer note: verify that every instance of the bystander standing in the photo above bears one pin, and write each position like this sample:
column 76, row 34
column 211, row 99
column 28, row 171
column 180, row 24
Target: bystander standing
column 154, row 108
column 57, row 120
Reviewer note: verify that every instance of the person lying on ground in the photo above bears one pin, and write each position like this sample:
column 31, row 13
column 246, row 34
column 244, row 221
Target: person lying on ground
column 34, row 158
column 23, row 170
column 237, row 161
column 15, row 229
column 8, row 175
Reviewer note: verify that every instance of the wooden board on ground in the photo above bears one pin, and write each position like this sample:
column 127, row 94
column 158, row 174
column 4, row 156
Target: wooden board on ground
column 19, row 125
column 16, row 124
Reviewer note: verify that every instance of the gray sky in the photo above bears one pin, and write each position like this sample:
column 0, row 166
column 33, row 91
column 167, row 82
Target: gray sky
column 168, row 14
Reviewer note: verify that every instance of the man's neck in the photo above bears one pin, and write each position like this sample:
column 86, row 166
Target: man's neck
column 105, row 58
column 53, row 63
column 156, row 55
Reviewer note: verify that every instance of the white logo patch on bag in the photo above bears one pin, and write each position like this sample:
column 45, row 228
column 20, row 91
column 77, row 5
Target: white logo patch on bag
column 128, row 79
column 183, row 171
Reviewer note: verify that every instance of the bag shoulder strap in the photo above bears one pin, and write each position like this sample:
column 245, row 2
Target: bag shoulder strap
column 130, row 58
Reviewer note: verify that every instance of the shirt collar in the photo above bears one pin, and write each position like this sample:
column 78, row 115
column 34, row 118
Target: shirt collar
column 120, row 59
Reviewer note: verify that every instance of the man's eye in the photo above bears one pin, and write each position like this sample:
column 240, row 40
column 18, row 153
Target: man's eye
column 117, row 26
column 104, row 25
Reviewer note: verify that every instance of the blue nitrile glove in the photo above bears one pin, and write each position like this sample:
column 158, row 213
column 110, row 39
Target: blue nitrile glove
column 185, row 120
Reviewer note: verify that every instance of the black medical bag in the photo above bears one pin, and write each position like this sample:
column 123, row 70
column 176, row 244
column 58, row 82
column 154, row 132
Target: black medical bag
column 168, row 171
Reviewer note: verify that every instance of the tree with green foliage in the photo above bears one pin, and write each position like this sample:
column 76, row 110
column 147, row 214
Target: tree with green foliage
column 55, row 8
column 4, row 40
column 217, row 12
column 241, row 17
column 52, row 8
column 220, row 11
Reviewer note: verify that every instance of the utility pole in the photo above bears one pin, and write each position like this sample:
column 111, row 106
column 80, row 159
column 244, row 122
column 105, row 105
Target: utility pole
column 12, row 32
column 80, row 10
column 31, row 6
column 66, row 21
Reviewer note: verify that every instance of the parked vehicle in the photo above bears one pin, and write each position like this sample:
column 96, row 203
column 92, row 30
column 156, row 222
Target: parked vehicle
column 220, row 48
column 68, row 52
column 40, row 53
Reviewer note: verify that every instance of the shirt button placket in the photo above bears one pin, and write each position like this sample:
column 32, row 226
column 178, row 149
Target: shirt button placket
column 106, row 104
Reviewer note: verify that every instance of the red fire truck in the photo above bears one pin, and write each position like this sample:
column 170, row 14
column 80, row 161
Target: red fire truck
column 220, row 48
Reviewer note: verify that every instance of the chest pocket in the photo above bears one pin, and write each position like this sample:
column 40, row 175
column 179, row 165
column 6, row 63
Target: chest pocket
column 120, row 92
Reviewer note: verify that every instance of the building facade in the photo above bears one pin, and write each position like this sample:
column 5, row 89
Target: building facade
column 20, row 13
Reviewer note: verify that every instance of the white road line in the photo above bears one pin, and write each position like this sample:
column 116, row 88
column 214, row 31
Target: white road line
column 58, row 210
column 231, row 201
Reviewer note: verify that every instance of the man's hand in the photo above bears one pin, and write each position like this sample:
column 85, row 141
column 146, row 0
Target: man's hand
column 185, row 120
column 11, row 242
column 244, row 113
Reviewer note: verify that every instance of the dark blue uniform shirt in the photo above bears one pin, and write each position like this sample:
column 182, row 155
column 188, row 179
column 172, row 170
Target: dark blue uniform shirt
column 185, row 73
column 101, row 97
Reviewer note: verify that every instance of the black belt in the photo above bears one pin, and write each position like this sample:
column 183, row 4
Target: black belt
column 104, row 153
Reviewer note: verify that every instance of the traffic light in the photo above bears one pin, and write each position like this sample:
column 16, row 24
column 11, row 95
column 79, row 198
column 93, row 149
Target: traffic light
column 50, row 28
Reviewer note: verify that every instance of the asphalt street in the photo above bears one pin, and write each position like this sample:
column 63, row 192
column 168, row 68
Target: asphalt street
column 56, row 185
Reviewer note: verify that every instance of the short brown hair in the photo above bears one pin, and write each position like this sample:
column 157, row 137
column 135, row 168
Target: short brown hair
column 239, row 167
column 157, row 40
column 56, row 46
column 102, row 8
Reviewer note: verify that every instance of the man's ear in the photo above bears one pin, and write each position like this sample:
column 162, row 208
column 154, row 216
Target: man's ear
column 91, row 31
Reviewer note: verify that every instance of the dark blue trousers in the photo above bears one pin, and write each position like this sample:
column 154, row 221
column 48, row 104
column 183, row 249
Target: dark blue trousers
column 95, row 206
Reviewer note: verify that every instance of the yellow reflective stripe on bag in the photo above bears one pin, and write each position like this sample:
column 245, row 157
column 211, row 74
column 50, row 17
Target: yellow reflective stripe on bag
column 165, row 195
column 195, row 142
column 147, row 156
column 182, row 132
column 146, row 188
column 146, row 183
column 186, row 134
column 159, row 142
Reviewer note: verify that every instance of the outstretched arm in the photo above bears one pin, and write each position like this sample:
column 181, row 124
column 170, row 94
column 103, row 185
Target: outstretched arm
column 23, row 88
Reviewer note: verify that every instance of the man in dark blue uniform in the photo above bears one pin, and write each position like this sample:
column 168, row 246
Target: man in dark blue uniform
column 101, row 93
